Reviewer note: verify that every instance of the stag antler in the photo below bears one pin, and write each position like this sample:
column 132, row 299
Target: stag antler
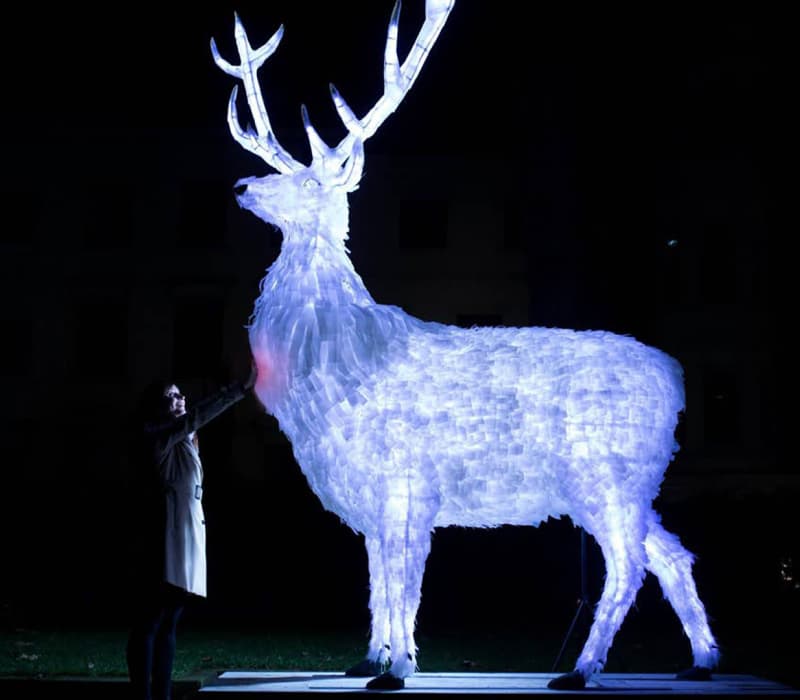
column 264, row 145
column 397, row 81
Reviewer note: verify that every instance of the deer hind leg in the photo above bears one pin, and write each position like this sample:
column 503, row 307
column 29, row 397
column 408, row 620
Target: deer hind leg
column 616, row 533
column 672, row 564
column 405, row 545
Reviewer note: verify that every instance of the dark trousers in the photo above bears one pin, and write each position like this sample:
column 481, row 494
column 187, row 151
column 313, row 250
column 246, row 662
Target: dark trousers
column 150, row 650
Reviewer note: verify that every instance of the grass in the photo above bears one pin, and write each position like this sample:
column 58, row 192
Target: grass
column 98, row 652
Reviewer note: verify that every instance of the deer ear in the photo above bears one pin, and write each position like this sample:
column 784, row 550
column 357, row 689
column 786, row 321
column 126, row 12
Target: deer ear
column 352, row 167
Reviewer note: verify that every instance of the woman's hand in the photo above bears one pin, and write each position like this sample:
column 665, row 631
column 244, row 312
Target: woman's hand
column 250, row 382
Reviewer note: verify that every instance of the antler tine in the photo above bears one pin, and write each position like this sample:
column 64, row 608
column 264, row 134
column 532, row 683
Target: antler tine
column 263, row 143
column 397, row 79
column 320, row 151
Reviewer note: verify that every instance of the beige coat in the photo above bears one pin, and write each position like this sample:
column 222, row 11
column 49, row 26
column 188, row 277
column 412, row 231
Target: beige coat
column 180, row 474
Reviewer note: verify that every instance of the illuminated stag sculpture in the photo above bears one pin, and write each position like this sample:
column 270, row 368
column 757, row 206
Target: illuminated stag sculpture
column 402, row 426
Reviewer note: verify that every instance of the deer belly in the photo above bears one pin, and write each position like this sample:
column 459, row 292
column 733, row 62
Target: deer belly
column 483, row 488
column 355, row 474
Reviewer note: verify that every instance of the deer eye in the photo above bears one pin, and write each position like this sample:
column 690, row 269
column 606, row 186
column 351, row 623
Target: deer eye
column 310, row 183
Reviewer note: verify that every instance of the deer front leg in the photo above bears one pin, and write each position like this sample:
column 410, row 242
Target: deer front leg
column 378, row 651
column 405, row 543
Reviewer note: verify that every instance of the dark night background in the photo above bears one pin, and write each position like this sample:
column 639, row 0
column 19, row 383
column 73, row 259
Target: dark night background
column 615, row 130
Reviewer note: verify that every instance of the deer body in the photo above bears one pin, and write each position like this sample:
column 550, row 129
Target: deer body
column 402, row 425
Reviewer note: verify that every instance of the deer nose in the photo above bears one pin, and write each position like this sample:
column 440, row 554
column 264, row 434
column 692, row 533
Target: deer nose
column 240, row 189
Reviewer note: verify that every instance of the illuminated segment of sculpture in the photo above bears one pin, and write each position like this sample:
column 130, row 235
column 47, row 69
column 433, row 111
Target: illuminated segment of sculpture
column 402, row 426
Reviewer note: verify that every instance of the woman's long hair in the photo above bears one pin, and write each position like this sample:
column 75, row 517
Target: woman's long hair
column 145, row 495
column 150, row 407
column 152, row 404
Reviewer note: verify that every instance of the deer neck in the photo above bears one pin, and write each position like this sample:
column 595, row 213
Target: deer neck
column 314, row 266
column 311, row 298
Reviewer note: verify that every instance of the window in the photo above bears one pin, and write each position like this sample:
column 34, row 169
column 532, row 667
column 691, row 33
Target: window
column 108, row 209
column 201, row 222
column 721, row 408
column 20, row 212
column 16, row 348
column 672, row 285
column 198, row 333
column 101, row 339
column 718, row 265
column 423, row 224
column 512, row 225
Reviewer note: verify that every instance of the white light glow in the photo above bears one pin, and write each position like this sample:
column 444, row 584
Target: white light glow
column 402, row 426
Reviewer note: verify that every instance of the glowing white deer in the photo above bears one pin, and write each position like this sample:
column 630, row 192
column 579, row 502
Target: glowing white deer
column 402, row 426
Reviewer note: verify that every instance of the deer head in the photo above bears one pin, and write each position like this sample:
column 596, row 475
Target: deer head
column 313, row 198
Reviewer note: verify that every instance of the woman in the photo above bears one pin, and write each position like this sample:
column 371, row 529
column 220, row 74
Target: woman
column 171, row 549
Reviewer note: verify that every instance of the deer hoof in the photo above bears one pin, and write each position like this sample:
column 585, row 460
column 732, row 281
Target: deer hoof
column 573, row 680
column 364, row 669
column 386, row 681
column 695, row 673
